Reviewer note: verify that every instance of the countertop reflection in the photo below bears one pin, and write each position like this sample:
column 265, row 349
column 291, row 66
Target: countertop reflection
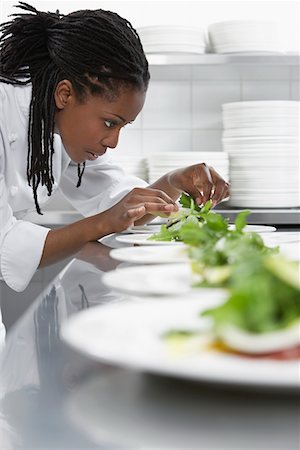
column 54, row 398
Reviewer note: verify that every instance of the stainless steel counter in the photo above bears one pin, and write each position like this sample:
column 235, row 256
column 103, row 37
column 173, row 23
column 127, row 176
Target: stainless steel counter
column 53, row 398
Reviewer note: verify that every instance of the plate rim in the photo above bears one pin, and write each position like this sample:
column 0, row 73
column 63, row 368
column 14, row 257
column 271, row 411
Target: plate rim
column 230, row 377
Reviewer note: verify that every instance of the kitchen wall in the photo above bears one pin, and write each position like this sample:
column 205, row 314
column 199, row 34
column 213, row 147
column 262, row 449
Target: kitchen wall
column 183, row 105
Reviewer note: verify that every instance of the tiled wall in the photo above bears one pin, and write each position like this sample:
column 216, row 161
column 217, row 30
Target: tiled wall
column 183, row 107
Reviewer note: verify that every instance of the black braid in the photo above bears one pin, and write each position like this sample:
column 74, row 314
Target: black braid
column 98, row 51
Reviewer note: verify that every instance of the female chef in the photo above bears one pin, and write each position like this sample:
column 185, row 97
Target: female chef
column 68, row 85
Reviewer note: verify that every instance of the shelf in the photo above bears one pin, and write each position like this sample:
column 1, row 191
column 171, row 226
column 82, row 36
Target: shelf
column 289, row 59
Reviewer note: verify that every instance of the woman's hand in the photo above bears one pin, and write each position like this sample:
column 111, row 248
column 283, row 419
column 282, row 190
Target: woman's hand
column 135, row 205
column 202, row 182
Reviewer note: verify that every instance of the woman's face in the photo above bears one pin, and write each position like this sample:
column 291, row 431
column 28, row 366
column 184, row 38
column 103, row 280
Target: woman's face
column 87, row 129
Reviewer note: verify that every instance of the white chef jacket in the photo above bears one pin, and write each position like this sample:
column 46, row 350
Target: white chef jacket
column 21, row 242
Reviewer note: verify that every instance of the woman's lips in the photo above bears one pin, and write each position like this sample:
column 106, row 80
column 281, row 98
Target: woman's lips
column 93, row 156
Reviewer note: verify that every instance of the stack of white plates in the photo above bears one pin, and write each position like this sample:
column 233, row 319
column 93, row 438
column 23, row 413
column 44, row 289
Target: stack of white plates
column 245, row 36
column 262, row 140
column 161, row 163
column 132, row 165
column 172, row 39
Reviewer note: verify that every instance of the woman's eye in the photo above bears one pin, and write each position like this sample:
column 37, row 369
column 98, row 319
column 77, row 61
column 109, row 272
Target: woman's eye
column 109, row 123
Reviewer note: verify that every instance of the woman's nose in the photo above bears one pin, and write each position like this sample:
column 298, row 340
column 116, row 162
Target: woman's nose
column 112, row 140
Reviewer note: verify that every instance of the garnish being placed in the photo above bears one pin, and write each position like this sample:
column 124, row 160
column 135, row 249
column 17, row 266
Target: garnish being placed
column 262, row 313
column 213, row 246
column 189, row 213
column 214, row 261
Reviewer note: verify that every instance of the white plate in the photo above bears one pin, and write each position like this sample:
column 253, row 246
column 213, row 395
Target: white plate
column 256, row 228
column 147, row 230
column 142, row 239
column 143, row 229
column 262, row 131
column 130, row 334
column 110, row 241
column 151, row 255
column 290, row 250
column 261, row 104
column 161, row 279
column 282, row 237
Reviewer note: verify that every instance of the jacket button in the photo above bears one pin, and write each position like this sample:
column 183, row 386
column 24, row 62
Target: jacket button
column 12, row 137
column 13, row 190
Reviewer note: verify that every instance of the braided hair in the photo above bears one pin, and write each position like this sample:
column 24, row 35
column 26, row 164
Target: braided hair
column 97, row 50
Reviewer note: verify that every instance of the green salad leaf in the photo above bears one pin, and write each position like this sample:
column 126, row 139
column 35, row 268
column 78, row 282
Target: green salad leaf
column 260, row 299
column 191, row 214
column 187, row 201
column 212, row 244
column 264, row 288
column 241, row 220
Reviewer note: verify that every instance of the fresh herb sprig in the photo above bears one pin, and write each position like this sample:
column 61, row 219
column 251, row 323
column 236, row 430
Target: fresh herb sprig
column 190, row 213
column 213, row 247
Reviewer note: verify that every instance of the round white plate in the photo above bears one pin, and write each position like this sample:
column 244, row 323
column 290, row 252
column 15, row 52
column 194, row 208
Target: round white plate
column 143, row 229
column 139, row 235
column 130, row 334
column 282, row 237
column 162, row 279
column 150, row 229
column 261, row 131
column 151, row 255
column 290, row 250
column 260, row 104
column 142, row 239
column 256, row 228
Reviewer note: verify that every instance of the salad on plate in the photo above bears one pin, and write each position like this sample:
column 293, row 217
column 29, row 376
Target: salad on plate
column 261, row 316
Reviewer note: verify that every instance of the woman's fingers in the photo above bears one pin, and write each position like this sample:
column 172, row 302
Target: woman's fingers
column 224, row 193
column 142, row 194
column 150, row 207
column 159, row 207
column 210, row 185
column 136, row 213
column 207, row 184
column 141, row 199
column 221, row 187
column 202, row 187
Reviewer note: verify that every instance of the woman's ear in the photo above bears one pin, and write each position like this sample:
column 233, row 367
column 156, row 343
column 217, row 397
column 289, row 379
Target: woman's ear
column 64, row 94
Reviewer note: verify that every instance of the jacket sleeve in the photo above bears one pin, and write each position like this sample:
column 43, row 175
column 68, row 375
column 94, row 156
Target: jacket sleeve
column 21, row 245
column 103, row 184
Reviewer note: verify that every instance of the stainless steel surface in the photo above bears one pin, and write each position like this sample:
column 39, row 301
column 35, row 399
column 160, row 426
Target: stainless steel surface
column 267, row 216
column 288, row 59
column 53, row 398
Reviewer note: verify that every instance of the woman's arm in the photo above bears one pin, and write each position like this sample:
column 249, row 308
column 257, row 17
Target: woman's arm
column 63, row 242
